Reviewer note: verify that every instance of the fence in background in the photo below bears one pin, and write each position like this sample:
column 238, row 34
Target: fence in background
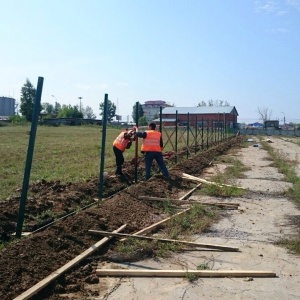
column 270, row 131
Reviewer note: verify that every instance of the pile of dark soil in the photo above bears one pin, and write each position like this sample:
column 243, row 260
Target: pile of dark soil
column 27, row 261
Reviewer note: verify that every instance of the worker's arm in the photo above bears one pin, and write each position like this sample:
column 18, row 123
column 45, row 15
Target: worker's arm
column 141, row 134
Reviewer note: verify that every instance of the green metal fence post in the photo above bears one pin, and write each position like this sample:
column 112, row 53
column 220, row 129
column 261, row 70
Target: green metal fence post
column 136, row 143
column 35, row 117
column 196, row 135
column 207, row 135
column 160, row 119
column 176, row 137
column 102, row 156
column 202, row 135
column 225, row 136
column 187, row 135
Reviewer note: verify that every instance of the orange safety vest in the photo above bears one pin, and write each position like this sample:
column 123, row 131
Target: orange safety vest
column 120, row 142
column 151, row 142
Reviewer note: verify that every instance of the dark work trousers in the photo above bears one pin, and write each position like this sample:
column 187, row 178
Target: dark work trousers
column 149, row 156
column 119, row 160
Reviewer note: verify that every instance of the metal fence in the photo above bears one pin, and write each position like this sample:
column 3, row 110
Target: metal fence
column 270, row 131
column 185, row 141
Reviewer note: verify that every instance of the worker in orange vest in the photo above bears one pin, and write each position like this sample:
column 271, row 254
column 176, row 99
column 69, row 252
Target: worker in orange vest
column 152, row 148
column 122, row 142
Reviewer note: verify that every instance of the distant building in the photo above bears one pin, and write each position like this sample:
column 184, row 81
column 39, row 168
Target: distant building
column 202, row 115
column 256, row 125
column 271, row 124
column 7, row 106
column 151, row 108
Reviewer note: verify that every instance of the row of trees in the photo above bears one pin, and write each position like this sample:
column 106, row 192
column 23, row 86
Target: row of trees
column 68, row 111
column 212, row 102
column 111, row 112
column 28, row 92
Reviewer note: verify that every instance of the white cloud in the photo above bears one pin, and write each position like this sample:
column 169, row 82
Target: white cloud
column 266, row 6
column 294, row 3
column 278, row 7
column 279, row 30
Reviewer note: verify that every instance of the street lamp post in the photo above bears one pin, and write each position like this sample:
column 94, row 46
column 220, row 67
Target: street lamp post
column 283, row 118
column 80, row 103
column 56, row 104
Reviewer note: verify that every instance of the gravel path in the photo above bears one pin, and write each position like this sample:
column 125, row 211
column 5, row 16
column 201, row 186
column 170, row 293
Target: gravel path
column 265, row 216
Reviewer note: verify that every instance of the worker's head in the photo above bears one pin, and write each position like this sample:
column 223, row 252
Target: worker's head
column 152, row 126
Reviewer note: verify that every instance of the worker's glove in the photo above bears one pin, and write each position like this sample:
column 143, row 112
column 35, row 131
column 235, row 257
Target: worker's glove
column 131, row 133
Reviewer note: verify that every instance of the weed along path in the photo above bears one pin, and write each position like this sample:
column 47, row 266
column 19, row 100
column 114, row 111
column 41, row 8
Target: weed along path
column 264, row 216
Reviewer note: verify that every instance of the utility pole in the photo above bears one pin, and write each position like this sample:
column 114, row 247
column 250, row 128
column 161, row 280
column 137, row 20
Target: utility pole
column 283, row 118
column 80, row 103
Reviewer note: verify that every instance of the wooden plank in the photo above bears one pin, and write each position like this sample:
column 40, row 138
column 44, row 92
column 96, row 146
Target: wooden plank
column 153, row 226
column 190, row 192
column 193, row 178
column 184, row 273
column 40, row 285
column 210, row 246
column 182, row 202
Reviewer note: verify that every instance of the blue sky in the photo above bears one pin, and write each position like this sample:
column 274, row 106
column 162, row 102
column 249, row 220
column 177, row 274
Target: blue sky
column 244, row 52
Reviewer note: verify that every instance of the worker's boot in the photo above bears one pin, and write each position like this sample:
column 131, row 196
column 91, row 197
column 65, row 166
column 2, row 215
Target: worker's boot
column 119, row 171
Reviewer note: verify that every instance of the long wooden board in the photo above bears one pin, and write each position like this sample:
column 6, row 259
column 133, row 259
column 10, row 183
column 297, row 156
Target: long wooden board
column 153, row 226
column 197, row 179
column 183, row 273
column 191, row 191
column 37, row 287
column 210, row 246
column 181, row 202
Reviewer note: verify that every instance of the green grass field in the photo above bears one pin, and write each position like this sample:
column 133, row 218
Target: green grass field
column 65, row 153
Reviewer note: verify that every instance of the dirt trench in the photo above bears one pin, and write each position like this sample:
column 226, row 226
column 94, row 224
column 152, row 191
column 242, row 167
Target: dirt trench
column 27, row 261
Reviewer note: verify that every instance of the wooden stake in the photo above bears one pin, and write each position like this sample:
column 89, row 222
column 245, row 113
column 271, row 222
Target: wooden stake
column 184, row 273
column 210, row 246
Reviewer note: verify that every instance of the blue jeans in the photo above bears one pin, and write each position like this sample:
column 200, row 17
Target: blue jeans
column 149, row 156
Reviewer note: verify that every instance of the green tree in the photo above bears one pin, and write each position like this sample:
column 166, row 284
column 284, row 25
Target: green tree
column 88, row 113
column 57, row 107
column 48, row 108
column 17, row 119
column 143, row 121
column 140, row 111
column 212, row 102
column 111, row 110
column 27, row 100
column 69, row 111
column 202, row 103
